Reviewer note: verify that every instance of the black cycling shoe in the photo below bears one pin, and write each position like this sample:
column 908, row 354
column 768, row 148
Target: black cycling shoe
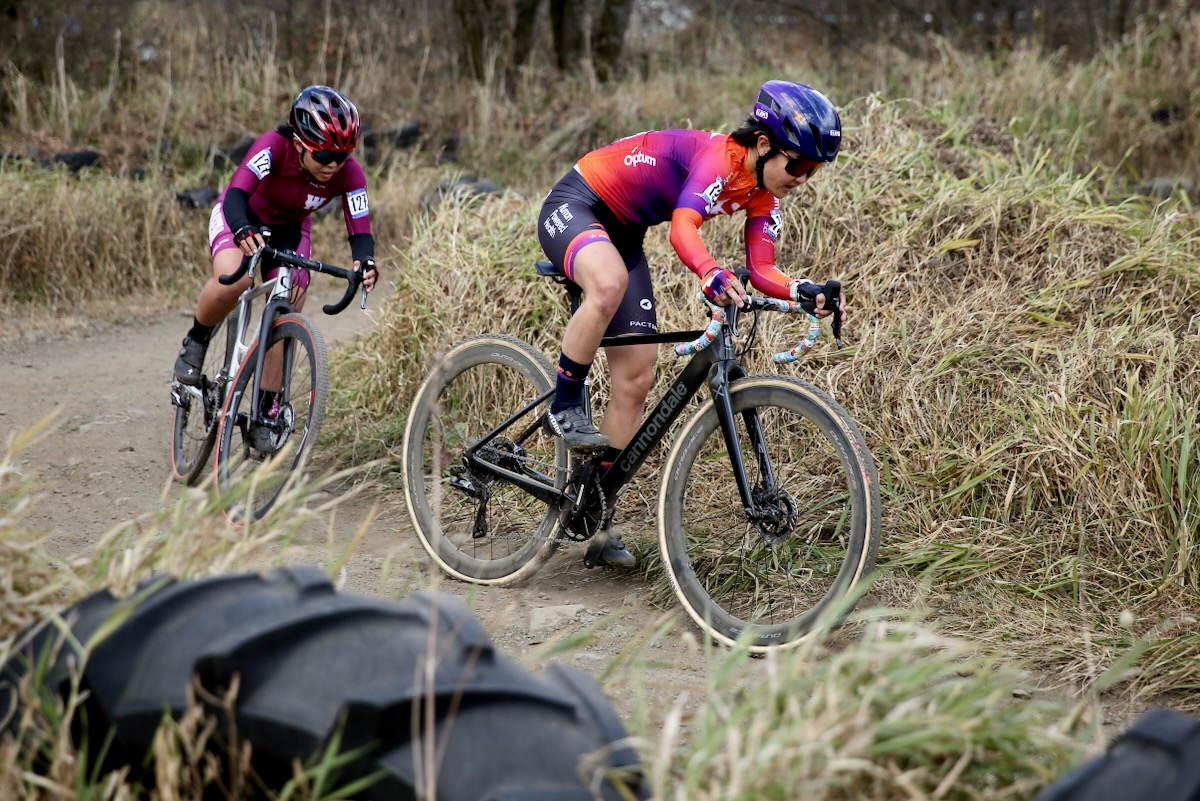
column 573, row 427
column 190, row 361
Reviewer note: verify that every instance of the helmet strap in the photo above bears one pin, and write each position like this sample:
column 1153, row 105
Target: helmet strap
column 762, row 162
column 764, row 158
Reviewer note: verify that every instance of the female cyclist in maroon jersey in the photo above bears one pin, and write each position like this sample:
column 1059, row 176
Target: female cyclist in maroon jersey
column 594, row 220
column 287, row 174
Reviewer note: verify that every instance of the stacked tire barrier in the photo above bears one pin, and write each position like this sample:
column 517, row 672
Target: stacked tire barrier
column 1156, row 759
column 414, row 690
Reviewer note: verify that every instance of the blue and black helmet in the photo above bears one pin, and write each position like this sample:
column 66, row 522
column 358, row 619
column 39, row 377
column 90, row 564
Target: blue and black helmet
column 800, row 118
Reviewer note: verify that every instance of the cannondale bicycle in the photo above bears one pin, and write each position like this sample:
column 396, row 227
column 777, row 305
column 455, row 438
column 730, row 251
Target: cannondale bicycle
column 261, row 397
column 768, row 505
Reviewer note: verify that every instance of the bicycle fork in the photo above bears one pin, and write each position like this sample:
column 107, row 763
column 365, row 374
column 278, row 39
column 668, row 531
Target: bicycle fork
column 758, row 510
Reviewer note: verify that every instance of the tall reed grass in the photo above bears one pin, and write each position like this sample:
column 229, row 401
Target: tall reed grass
column 899, row 711
column 1022, row 349
column 1022, row 358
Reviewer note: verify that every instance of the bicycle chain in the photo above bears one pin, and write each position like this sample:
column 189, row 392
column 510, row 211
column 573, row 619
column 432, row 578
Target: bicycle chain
column 589, row 512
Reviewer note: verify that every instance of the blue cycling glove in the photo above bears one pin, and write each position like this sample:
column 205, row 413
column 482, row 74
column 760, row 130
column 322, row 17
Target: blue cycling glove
column 716, row 281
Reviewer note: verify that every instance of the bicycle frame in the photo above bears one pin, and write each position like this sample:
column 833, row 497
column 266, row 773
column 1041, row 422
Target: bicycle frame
column 278, row 293
column 716, row 366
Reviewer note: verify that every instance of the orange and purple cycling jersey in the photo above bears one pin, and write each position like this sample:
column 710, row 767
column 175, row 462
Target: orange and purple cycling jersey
column 283, row 197
column 688, row 177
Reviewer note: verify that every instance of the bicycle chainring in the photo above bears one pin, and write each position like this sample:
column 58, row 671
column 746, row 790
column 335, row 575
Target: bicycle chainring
column 581, row 522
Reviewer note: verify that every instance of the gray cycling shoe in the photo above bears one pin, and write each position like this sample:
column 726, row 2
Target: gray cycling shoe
column 576, row 431
column 262, row 438
column 190, row 362
column 609, row 551
column 615, row 554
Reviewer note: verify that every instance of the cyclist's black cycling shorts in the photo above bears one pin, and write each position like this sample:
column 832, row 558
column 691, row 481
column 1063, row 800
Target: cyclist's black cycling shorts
column 573, row 216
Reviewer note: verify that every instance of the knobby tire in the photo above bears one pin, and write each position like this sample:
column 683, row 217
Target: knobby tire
column 252, row 480
column 195, row 424
column 437, row 710
column 473, row 388
column 771, row 583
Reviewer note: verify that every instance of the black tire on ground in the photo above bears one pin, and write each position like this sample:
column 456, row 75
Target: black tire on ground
column 1156, row 759
column 312, row 661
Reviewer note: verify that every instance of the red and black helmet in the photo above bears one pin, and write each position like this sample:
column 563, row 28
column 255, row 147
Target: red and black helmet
column 324, row 119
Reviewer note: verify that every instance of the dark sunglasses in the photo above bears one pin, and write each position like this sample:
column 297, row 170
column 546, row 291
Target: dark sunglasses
column 327, row 157
column 799, row 166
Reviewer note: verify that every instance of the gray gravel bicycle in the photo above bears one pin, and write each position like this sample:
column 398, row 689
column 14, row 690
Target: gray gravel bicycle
column 768, row 503
column 261, row 398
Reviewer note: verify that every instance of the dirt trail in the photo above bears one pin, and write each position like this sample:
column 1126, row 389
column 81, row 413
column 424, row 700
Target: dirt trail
column 105, row 461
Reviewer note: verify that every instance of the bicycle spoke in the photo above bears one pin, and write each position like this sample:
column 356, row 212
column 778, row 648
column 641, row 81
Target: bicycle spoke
column 263, row 450
column 476, row 523
column 196, row 416
column 810, row 538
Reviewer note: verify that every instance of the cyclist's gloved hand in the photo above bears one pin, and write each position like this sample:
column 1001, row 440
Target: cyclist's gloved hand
column 723, row 287
column 370, row 272
column 248, row 239
column 805, row 293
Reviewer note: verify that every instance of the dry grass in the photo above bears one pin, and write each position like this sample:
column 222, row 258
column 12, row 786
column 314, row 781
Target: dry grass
column 1023, row 354
column 897, row 711
column 1022, row 358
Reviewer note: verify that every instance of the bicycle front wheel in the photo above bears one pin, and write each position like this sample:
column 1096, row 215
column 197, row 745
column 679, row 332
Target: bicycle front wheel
column 263, row 451
column 476, row 525
column 769, row 577
column 198, row 411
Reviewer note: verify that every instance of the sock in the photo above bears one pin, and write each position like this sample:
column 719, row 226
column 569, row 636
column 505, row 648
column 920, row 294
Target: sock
column 200, row 332
column 607, row 458
column 568, row 388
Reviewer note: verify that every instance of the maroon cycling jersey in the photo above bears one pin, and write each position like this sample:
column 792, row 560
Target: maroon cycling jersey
column 282, row 192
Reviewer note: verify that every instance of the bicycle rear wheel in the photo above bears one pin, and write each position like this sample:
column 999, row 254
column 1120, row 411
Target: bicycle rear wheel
column 261, row 455
column 817, row 537
column 198, row 410
column 475, row 525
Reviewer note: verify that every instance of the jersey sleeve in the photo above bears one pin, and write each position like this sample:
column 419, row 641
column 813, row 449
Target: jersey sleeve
column 685, row 238
column 699, row 199
column 761, row 233
column 262, row 156
column 355, row 207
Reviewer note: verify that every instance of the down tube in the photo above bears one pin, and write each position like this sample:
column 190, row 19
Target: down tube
column 657, row 423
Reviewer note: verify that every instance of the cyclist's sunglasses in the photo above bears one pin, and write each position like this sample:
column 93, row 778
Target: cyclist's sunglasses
column 327, row 157
column 798, row 165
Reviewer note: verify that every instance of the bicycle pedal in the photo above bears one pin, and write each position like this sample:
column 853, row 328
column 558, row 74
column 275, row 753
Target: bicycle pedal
column 180, row 393
column 591, row 556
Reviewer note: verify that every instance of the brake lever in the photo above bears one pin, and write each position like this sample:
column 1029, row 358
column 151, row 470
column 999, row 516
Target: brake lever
column 833, row 300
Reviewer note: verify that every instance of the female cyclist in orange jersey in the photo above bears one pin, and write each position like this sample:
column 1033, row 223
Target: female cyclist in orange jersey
column 594, row 220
